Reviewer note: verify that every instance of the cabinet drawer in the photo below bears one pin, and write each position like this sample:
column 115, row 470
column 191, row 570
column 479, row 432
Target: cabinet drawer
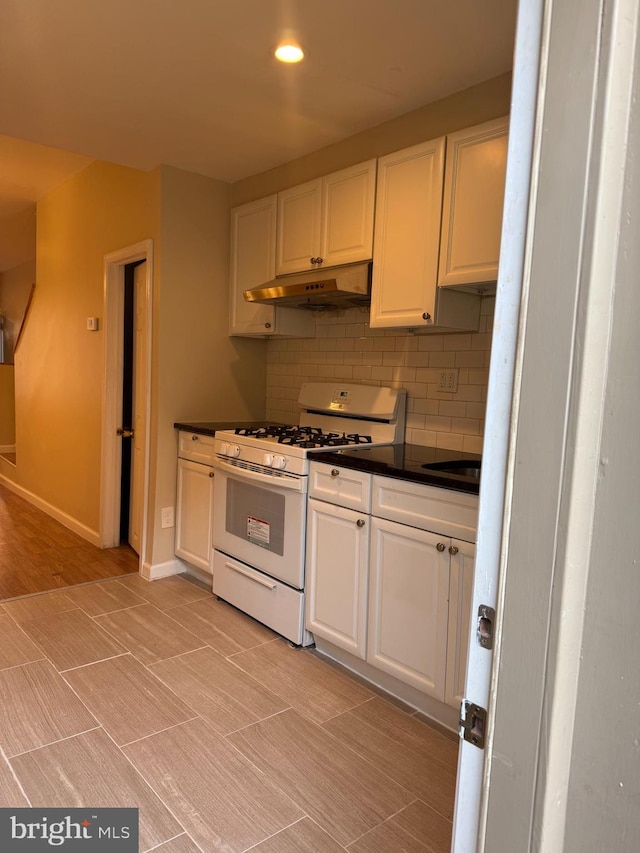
column 196, row 447
column 443, row 511
column 269, row 601
column 336, row 485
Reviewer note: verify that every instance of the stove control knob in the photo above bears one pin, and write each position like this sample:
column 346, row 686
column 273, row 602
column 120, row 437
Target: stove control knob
column 279, row 462
column 234, row 450
column 267, row 460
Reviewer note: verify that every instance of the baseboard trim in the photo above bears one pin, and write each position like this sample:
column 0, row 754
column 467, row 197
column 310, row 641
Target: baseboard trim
column 153, row 572
column 68, row 521
column 199, row 574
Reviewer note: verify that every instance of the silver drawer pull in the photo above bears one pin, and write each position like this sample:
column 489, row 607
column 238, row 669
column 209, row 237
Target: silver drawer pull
column 453, row 550
column 440, row 547
column 194, row 438
column 360, row 522
column 211, row 474
column 335, row 472
column 251, row 577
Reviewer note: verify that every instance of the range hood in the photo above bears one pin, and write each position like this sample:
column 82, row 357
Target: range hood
column 337, row 287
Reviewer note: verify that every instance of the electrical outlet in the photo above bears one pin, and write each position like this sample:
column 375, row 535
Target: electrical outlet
column 167, row 516
column 448, row 381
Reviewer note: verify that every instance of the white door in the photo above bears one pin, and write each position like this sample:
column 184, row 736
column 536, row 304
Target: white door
column 194, row 517
column 138, row 407
column 298, row 231
column 348, row 199
column 471, row 790
column 336, row 575
column 407, row 236
column 408, row 592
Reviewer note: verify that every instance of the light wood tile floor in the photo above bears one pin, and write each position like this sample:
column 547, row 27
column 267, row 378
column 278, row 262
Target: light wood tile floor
column 38, row 554
column 226, row 738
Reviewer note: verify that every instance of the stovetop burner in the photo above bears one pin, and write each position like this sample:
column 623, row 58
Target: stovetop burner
column 306, row 437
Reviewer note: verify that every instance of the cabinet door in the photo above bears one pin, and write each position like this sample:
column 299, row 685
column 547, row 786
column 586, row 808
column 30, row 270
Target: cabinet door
column 460, row 595
column 407, row 235
column 253, row 244
column 299, row 236
column 336, row 575
column 348, row 199
column 194, row 516
column 408, row 589
column 473, row 202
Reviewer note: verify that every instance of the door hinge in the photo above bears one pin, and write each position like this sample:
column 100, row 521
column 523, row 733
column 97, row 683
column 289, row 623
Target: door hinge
column 473, row 723
column 486, row 626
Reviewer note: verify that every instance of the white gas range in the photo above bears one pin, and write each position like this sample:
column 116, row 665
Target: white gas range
column 261, row 496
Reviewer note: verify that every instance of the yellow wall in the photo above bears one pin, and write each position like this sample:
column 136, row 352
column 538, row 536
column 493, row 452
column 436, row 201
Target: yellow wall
column 7, row 407
column 480, row 103
column 202, row 373
column 58, row 371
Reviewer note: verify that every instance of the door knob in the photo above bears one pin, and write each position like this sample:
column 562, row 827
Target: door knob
column 125, row 433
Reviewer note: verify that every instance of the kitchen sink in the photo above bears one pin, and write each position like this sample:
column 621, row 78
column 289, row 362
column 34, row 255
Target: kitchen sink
column 460, row 467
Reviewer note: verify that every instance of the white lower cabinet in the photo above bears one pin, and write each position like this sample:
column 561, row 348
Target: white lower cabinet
column 336, row 575
column 408, row 605
column 395, row 595
column 194, row 514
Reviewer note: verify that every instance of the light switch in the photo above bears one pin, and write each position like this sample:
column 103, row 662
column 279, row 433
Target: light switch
column 92, row 324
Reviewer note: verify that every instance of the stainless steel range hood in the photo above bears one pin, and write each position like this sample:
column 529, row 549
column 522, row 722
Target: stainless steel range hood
column 337, row 287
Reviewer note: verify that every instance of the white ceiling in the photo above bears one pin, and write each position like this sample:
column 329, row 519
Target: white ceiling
column 192, row 83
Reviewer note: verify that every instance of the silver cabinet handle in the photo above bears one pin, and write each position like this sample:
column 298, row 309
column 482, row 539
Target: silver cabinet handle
column 194, row 438
column 440, row 547
column 211, row 474
column 313, row 260
column 335, row 472
column 426, row 316
column 453, row 550
column 360, row 522
column 267, row 325
column 319, row 260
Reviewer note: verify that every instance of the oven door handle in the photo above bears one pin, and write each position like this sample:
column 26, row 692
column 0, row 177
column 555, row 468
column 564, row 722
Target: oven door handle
column 296, row 484
column 251, row 576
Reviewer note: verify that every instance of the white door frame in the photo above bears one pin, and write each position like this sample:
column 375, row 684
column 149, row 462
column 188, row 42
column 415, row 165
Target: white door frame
column 498, row 449
column 111, row 462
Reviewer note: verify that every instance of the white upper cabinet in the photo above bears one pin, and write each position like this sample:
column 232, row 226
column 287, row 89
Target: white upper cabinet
column 327, row 222
column 253, row 244
column 407, row 236
column 473, row 202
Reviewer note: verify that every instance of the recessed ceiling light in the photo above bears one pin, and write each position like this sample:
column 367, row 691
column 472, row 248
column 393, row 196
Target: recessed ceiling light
column 289, row 53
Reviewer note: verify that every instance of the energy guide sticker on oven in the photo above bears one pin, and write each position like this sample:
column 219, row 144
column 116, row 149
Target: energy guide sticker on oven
column 258, row 531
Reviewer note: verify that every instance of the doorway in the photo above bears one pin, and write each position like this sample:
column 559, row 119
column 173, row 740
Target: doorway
column 132, row 382
column 126, row 383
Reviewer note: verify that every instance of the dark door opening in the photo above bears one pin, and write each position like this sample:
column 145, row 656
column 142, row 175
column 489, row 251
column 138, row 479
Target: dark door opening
column 127, row 397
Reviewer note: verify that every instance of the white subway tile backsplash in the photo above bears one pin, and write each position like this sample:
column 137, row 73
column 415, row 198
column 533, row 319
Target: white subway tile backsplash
column 449, row 441
column 442, row 359
column 346, row 348
column 457, row 342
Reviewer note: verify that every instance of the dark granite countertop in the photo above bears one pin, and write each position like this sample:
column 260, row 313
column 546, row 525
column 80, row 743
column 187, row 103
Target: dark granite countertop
column 404, row 462
column 210, row 427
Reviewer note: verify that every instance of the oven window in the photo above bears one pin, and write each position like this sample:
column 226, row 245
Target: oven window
column 256, row 515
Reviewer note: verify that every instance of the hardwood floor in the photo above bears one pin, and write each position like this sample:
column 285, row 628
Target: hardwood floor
column 226, row 738
column 38, row 554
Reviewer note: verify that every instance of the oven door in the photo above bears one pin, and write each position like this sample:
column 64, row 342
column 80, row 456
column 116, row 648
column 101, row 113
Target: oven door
column 261, row 522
